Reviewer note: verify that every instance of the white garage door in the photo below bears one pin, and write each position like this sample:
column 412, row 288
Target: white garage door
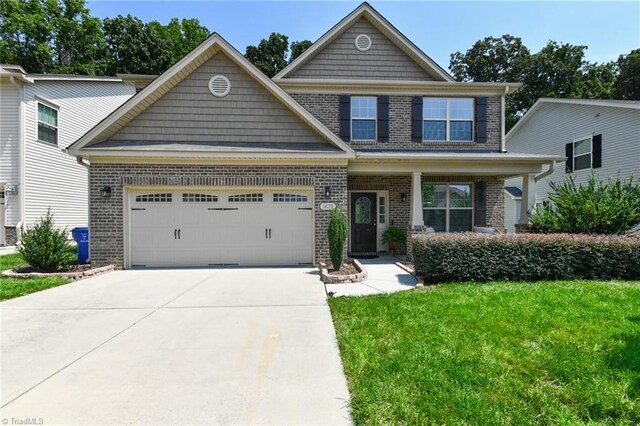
column 211, row 228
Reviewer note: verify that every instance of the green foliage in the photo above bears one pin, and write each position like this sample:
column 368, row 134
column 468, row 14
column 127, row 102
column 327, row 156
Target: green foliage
column 44, row 246
column 627, row 85
column 484, row 257
column 558, row 70
column 594, row 208
column 270, row 56
column 16, row 287
column 338, row 230
column 500, row 353
column 394, row 237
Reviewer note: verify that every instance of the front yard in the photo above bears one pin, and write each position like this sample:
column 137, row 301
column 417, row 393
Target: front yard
column 15, row 287
column 496, row 353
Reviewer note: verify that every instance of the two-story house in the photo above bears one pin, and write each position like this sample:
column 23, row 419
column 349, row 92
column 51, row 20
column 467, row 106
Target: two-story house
column 213, row 163
column 40, row 116
column 599, row 136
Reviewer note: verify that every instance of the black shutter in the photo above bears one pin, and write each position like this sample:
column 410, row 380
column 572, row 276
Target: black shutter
column 383, row 119
column 596, row 152
column 416, row 119
column 568, row 152
column 480, row 204
column 345, row 117
column 481, row 120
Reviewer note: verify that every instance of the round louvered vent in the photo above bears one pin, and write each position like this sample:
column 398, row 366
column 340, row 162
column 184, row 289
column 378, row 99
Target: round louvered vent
column 363, row 42
column 219, row 85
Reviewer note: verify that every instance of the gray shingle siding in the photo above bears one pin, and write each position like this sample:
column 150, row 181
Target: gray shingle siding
column 341, row 60
column 325, row 107
column 106, row 217
column 189, row 112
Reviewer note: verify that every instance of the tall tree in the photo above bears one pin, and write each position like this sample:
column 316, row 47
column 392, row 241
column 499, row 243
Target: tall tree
column 183, row 35
column 51, row 36
column 272, row 54
column 627, row 85
column 136, row 47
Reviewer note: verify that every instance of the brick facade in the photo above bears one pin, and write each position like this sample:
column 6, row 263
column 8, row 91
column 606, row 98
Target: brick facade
column 325, row 107
column 10, row 235
column 106, row 219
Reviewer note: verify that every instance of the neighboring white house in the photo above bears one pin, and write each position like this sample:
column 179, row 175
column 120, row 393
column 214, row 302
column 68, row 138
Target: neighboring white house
column 40, row 115
column 601, row 136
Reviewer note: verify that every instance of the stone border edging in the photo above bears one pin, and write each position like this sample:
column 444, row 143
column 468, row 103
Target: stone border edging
column 341, row 279
column 10, row 273
column 420, row 281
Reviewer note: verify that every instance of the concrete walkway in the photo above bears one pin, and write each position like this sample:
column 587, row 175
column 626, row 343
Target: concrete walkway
column 198, row 346
column 384, row 277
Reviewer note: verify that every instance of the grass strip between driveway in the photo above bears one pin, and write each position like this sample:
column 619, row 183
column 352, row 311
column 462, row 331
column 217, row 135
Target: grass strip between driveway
column 16, row 287
column 495, row 353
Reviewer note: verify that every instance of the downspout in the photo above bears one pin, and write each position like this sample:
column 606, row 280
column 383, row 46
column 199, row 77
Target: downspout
column 21, row 162
column 547, row 172
column 502, row 124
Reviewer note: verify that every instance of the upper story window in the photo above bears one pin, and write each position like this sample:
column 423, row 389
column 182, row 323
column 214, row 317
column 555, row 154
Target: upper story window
column 448, row 119
column 582, row 154
column 47, row 124
column 363, row 118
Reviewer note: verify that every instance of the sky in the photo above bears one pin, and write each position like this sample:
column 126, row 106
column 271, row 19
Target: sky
column 608, row 28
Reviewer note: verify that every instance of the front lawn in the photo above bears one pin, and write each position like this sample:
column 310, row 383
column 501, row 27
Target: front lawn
column 15, row 287
column 495, row 353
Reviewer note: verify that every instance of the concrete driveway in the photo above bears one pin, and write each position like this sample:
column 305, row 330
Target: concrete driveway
column 227, row 346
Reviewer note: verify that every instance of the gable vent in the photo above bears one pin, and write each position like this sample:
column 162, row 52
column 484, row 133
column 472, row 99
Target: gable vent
column 363, row 42
column 219, row 85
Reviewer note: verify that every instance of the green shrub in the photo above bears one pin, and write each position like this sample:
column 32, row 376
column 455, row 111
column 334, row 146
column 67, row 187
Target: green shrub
column 338, row 228
column 394, row 237
column 528, row 257
column 44, row 246
column 594, row 208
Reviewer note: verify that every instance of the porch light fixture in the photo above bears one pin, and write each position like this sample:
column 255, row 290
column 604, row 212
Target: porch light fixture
column 327, row 191
column 403, row 197
column 105, row 191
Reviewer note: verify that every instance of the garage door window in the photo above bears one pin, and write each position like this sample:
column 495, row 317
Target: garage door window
column 188, row 197
column 246, row 198
column 289, row 198
column 154, row 198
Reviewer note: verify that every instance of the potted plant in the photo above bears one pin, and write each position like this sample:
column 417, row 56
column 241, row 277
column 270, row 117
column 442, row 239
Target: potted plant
column 394, row 238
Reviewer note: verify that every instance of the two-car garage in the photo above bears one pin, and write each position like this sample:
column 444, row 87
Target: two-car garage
column 208, row 227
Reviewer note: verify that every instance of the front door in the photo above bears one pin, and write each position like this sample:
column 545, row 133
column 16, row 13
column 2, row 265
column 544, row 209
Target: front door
column 363, row 222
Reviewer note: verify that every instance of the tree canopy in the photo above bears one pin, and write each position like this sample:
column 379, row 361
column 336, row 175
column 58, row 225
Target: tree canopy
column 272, row 55
column 558, row 70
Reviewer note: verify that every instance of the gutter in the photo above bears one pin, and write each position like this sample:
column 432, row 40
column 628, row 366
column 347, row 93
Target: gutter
column 547, row 172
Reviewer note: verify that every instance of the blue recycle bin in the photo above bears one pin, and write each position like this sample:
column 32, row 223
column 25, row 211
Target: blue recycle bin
column 81, row 235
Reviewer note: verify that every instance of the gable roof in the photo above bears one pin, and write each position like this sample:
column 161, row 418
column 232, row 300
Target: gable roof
column 584, row 102
column 378, row 21
column 177, row 73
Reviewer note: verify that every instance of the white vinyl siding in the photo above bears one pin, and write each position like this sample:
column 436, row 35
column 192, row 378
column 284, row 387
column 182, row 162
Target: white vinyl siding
column 53, row 178
column 555, row 125
column 10, row 147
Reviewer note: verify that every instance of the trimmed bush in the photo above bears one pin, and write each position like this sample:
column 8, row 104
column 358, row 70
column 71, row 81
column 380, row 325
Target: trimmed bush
column 46, row 247
column 595, row 208
column 338, row 229
column 395, row 238
column 525, row 257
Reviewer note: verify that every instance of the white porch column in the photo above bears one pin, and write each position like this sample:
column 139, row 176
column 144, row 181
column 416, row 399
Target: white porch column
column 528, row 197
column 416, row 200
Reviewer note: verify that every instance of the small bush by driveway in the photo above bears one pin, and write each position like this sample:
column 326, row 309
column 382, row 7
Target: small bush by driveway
column 497, row 353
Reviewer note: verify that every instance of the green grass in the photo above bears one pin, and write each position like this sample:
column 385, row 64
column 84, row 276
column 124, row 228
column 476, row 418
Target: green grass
column 15, row 287
column 496, row 353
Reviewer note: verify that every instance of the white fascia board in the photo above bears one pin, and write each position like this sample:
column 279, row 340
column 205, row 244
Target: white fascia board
column 377, row 20
column 459, row 157
column 88, row 153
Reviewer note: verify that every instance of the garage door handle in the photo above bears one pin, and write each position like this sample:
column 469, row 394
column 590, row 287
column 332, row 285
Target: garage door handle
column 266, row 232
column 269, row 233
column 179, row 233
column 175, row 234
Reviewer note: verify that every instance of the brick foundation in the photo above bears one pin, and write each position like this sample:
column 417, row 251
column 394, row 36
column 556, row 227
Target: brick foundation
column 106, row 221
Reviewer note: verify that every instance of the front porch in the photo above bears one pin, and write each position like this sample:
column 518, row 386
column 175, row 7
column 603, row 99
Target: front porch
column 448, row 193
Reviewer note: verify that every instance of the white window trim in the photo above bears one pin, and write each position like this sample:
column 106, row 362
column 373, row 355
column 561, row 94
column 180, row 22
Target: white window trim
column 590, row 154
column 48, row 104
column 375, row 121
column 448, row 120
column 447, row 208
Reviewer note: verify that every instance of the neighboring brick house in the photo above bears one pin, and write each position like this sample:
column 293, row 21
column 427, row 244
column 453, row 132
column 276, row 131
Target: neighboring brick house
column 213, row 163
